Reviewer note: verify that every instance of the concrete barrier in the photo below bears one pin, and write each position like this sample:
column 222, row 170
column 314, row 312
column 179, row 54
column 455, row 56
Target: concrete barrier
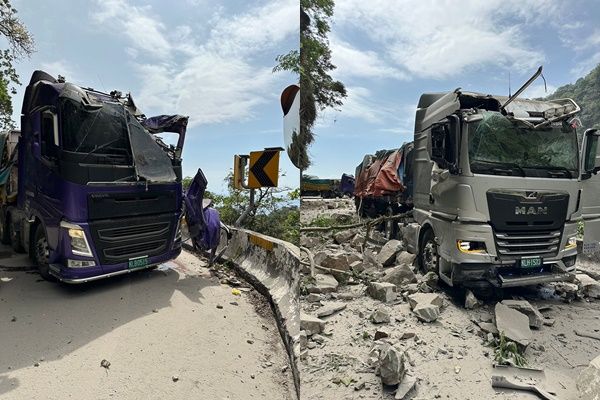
column 272, row 266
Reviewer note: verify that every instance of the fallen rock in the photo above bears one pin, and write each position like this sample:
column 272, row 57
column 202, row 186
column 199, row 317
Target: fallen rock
column 318, row 339
column 370, row 260
column 567, row 290
column 382, row 291
column 405, row 387
column 330, row 308
column 514, row 324
column 357, row 267
column 313, row 298
column 471, row 301
column 357, row 242
column 380, row 334
column 387, row 254
column 104, row 364
column 342, row 237
column 427, row 312
column 380, row 316
column 391, row 365
column 338, row 260
column 588, row 382
column 588, row 286
column 302, row 339
column 488, row 327
column 430, row 279
column 536, row 319
column 324, row 284
column 425, row 298
column 311, row 324
column 405, row 258
column 308, row 242
column 399, row 275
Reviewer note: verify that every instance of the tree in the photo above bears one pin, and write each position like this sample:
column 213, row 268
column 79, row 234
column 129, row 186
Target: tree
column 318, row 90
column 20, row 45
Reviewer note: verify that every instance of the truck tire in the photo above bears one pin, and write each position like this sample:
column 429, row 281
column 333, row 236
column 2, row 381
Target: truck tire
column 4, row 231
column 428, row 256
column 41, row 253
column 15, row 236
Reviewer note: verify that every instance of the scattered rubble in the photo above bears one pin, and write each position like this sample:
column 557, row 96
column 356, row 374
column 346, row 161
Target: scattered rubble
column 105, row 364
column 382, row 291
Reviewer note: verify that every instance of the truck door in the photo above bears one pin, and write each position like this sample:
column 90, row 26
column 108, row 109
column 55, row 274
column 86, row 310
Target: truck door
column 590, row 198
column 193, row 200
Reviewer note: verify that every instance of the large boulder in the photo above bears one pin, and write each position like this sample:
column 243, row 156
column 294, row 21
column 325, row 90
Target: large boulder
column 426, row 312
column 382, row 291
column 588, row 286
column 399, row 275
column 311, row 325
column 387, row 254
column 380, row 316
column 338, row 260
column 536, row 319
column 588, row 382
column 404, row 257
column 342, row 237
column 514, row 324
column 425, row 298
column 391, row 365
column 323, row 284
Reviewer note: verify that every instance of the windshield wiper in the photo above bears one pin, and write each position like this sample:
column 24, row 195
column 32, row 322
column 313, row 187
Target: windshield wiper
column 556, row 168
column 100, row 147
column 500, row 165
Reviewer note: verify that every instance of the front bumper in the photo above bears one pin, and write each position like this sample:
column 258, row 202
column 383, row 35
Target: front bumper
column 83, row 275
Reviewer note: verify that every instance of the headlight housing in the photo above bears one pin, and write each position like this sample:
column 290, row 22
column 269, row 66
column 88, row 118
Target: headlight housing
column 79, row 242
column 472, row 247
column 571, row 243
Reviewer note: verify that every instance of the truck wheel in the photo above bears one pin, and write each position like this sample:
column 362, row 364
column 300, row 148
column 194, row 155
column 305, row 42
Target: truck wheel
column 4, row 231
column 41, row 253
column 429, row 258
column 15, row 237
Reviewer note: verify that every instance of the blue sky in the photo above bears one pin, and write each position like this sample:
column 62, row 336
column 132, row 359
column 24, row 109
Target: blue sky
column 390, row 52
column 209, row 60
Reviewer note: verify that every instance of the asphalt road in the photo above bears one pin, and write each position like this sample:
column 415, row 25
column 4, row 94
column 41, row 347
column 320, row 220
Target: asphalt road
column 163, row 332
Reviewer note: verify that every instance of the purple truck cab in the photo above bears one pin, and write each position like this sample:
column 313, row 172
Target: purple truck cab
column 91, row 191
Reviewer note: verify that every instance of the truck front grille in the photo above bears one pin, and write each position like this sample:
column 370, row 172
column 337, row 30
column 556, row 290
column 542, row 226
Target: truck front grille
column 118, row 240
column 527, row 243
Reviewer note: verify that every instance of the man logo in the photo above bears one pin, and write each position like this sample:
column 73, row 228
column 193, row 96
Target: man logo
column 531, row 210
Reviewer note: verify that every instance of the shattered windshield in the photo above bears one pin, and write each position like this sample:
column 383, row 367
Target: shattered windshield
column 99, row 131
column 498, row 145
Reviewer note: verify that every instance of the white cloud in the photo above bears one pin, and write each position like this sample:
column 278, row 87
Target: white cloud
column 213, row 77
column 60, row 67
column 434, row 39
column 537, row 90
column 352, row 62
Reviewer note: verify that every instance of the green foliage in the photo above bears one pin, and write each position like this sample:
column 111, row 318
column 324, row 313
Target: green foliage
column 322, row 221
column 507, row 352
column 586, row 93
column 319, row 90
column 20, row 45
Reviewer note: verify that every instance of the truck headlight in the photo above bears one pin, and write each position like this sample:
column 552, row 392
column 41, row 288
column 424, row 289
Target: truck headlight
column 571, row 243
column 469, row 246
column 79, row 243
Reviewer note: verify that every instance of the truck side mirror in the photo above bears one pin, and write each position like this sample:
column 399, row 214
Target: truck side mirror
column 591, row 156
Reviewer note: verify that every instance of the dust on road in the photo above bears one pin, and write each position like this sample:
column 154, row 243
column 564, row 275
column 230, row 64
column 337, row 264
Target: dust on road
column 172, row 333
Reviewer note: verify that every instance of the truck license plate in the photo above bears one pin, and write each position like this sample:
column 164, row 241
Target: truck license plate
column 139, row 262
column 531, row 262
